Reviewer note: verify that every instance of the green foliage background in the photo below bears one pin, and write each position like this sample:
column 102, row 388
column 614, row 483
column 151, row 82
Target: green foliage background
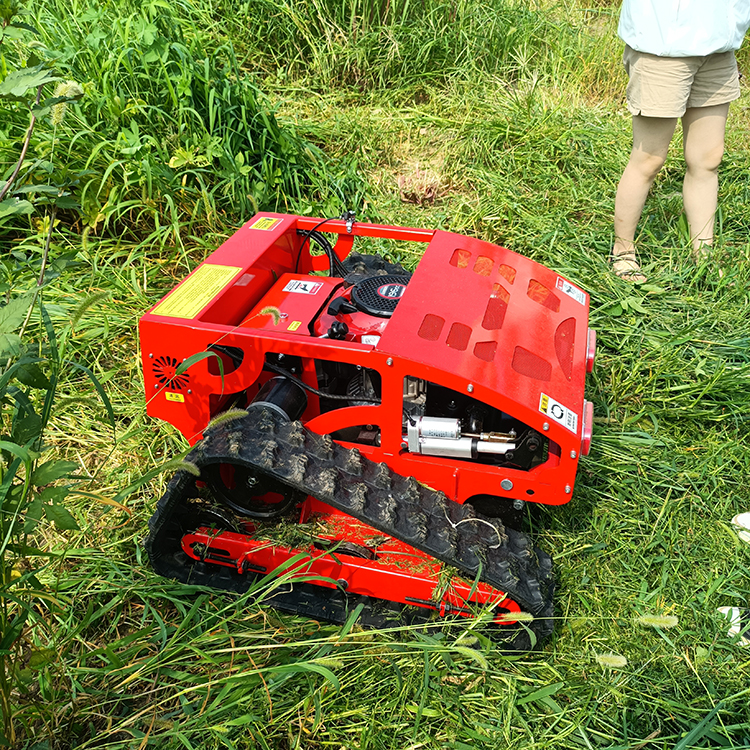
column 500, row 119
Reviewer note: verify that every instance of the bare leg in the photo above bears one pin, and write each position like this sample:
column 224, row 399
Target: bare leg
column 703, row 139
column 651, row 137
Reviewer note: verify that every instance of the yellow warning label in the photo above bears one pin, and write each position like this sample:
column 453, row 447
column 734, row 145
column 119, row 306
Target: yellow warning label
column 544, row 404
column 294, row 325
column 174, row 397
column 196, row 291
column 266, row 223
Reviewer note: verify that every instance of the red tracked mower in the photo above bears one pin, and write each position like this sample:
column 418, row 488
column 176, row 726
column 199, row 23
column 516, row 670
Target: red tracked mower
column 398, row 418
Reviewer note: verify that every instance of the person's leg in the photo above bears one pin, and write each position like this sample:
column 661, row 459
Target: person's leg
column 651, row 137
column 703, row 138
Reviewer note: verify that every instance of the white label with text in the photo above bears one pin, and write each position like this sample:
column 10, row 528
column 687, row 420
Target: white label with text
column 301, row 286
column 561, row 414
column 571, row 291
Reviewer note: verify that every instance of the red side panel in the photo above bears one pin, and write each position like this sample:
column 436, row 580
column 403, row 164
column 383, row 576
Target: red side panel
column 501, row 321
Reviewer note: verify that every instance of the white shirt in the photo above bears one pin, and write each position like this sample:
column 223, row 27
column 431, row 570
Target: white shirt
column 684, row 28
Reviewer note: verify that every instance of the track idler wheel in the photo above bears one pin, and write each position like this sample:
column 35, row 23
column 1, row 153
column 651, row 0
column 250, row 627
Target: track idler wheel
column 249, row 492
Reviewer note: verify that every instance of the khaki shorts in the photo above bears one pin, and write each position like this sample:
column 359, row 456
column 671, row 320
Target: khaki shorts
column 667, row 86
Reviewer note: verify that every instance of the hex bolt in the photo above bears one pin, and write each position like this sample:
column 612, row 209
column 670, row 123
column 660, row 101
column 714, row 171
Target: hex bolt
column 404, row 446
column 518, row 504
column 506, row 484
column 151, row 356
column 545, row 426
column 573, row 454
column 156, row 386
column 470, row 388
column 189, row 391
column 567, row 489
column 389, row 361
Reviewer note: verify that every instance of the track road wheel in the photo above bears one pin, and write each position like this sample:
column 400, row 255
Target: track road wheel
column 249, row 492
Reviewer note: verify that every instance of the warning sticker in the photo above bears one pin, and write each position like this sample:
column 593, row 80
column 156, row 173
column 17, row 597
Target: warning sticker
column 266, row 223
column 571, row 291
column 174, row 397
column 301, row 286
column 196, row 291
column 555, row 410
column 294, row 325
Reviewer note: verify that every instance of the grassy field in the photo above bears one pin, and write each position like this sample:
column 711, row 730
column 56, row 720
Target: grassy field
column 500, row 119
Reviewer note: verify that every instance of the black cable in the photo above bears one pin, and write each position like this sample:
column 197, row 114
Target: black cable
column 333, row 396
column 307, row 234
column 335, row 265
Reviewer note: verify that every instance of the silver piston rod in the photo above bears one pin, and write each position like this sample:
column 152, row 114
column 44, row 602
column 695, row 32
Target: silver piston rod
column 441, row 436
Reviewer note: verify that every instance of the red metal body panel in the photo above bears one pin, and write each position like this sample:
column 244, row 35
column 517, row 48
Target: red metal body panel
column 494, row 317
column 298, row 299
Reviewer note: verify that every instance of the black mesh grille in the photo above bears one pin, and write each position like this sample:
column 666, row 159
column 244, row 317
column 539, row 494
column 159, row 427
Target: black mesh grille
column 165, row 371
column 379, row 295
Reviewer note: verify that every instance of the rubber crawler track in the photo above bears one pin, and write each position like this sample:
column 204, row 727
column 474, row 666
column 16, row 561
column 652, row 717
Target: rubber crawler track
column 396, row 505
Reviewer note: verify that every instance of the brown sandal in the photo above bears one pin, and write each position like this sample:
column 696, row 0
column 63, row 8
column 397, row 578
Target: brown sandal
column 625, row 266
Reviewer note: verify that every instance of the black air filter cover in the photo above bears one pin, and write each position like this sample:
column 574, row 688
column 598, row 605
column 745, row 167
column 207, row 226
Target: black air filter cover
column 379, row 295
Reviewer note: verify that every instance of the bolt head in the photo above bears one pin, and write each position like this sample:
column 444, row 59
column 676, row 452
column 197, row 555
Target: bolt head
column 567, row 489
column 389, row 361
column 189, row 391
column 506, row 484
column 573, row 454
column 545, row 426
column 470, row 388
column 151, row 356
column 518, row 505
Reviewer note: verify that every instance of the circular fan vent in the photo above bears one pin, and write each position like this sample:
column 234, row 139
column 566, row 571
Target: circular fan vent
column 379, row 295
column 165, row 371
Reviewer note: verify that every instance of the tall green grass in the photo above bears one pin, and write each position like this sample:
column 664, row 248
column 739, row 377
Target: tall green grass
column 367, row 44
column 171, row 132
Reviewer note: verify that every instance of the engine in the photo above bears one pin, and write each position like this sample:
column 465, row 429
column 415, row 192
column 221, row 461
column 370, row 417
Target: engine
column 360, row 311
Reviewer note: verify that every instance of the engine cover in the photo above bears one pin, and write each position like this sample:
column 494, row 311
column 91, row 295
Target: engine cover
column 365, row 307
column 379, row 295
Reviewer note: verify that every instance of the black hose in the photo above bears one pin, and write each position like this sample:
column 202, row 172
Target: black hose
column 333, row 396
column 324, row 244
column 336, row 267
